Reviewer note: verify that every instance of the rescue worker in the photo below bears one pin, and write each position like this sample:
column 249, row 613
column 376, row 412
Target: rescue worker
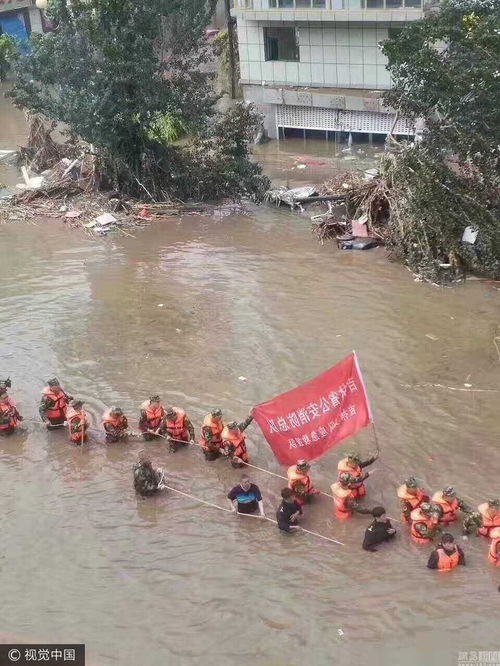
column 425, row 523
column 353, row 465
column 288, row 511
column 344, row 498
column 234, row 442
column 378, row 531
column 53, row 404
column 300, row 482
column 447, row 556
column 151, row 417
column 450, row 504
column 472, row 523
column 147, row 480
column 115, row 425
column 9, row 415
column 490, row 516
column 410, row 497
column 78, row 422
column 246, row 497
column 494, row 551
column 211, row 435
column 177, row 426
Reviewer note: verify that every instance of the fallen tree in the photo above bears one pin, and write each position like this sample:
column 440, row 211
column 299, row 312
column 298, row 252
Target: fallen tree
column 126, row 78
column 445, row 73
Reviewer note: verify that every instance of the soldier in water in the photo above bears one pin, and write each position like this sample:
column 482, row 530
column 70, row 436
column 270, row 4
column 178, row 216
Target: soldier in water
column 147, row 479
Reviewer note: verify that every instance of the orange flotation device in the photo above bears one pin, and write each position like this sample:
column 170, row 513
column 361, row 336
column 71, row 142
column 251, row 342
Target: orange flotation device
column 118, row 422
column 449, row 508
column 216, row 427
column 295, row 477
column 154, row 417
column 447, row 562
column 177, row 429
column 358, row 487
column 493, row 555
column 8, row 414
column 490, row 517
column 341, row 497
column 237, row 440
column 418, row 517
column 413, row 500
column 72, row 417
column 58, row 411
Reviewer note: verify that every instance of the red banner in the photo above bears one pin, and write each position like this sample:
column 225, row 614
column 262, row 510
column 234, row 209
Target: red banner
column 305, row 423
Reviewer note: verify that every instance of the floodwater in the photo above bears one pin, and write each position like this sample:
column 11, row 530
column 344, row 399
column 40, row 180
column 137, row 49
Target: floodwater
column 167, row 581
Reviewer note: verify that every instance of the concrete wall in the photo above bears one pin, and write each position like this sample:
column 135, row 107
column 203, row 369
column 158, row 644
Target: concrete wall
column 36, row 20
column 331, row 55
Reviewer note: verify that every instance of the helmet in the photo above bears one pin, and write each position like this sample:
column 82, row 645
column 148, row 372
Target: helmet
column 78, row 404
column 4, row 385
column 449, row 491
column 352, row 456
column 437, row 510
column 170, row 412
column 426, row 508
column 116, row 410
column 411, row 482
column 303, row 464
column 216, row 413
column 154, row 398
column 53, row 382
column 233, row 425
column 494, row 503
column 344, row 477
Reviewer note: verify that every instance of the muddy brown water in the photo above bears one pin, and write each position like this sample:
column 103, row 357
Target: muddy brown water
column 168, row 581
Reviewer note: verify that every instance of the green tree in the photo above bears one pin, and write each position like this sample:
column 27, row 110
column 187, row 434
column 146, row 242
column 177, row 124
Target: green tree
column 122, row 74
column 446, row 72
column 8, row 50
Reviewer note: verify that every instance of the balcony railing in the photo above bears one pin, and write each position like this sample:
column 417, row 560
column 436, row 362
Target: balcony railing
column 335, row 5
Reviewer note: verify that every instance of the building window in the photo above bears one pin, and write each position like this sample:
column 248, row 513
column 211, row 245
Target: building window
column 281, row 43
column 297, row 4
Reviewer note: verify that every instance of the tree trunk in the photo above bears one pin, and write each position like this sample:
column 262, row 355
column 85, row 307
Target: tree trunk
column 232, row 59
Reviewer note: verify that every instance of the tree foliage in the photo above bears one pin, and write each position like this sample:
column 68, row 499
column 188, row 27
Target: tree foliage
column 8, row 50
column 125, row 76
column 446, row 72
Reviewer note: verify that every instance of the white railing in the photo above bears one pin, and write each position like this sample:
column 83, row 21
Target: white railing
column 335, row 5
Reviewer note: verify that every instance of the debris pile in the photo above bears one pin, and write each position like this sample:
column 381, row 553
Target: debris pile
column 62, row 181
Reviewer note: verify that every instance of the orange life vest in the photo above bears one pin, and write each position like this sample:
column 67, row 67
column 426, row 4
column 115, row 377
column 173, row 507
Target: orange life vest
column 413, row 500
column 8, row 420
column 447, row 562
column 72, row 416
column 216, row 427
column 154, row 417
column 491, row 518
column 418, row 517
column 118, row 422
column 177, row 428
column 356, row 472
column 449, row 508
column 295, row 477
column 238, row 441
column 341, row 497
column 493, row 556
column 58, row 411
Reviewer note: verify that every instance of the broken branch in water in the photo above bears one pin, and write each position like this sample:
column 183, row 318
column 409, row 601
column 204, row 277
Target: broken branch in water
column 450, row 388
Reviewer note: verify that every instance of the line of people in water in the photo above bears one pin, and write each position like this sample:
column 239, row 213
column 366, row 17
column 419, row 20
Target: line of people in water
column 426, row 516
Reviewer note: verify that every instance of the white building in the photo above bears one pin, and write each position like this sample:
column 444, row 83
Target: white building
column 316, row 64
